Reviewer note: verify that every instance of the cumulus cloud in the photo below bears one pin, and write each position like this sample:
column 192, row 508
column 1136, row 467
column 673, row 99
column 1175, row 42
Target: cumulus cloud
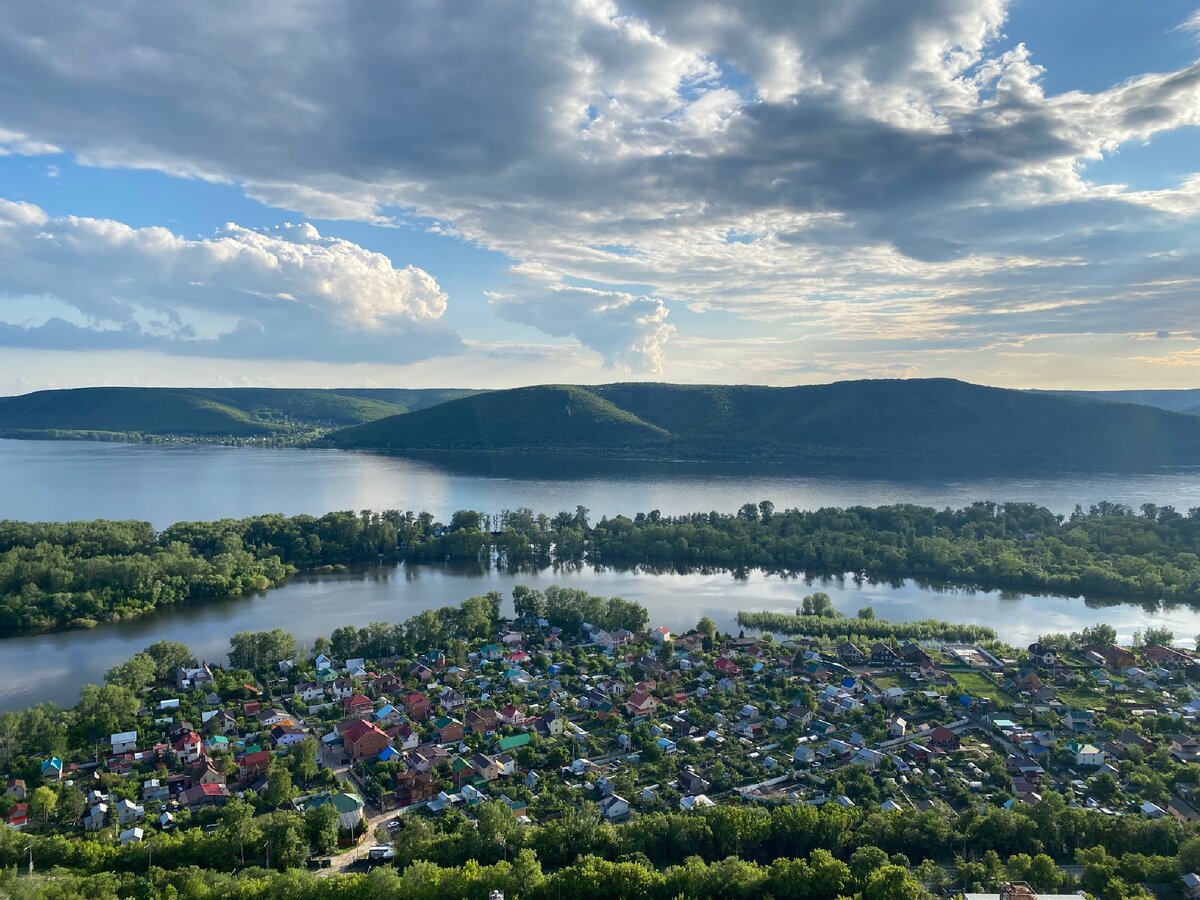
column 628, row 332
column 286, row 292
column 849, row 169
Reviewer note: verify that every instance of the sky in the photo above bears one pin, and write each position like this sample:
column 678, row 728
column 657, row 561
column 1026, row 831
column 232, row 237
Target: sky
column 503, row 193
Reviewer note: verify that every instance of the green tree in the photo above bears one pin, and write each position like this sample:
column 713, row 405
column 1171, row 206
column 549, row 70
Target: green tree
column 303, row 756
column 892, row 883
column 279, row 784
column 135, row 673
column 43, row 802
column 321, row 823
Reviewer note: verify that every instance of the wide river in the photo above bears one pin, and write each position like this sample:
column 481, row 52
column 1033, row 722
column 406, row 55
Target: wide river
column 164, row 483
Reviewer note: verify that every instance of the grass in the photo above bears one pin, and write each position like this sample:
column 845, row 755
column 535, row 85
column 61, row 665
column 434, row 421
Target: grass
column 976, row 685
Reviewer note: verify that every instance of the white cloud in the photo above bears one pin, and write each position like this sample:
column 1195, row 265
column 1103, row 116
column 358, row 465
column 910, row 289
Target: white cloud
column 285, row 292
column 843, row 168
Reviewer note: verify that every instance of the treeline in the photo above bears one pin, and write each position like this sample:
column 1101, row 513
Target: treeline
column 870, row 629
column 59, row 575
column 795, row 851
column 56, row 575
column 1106, row 552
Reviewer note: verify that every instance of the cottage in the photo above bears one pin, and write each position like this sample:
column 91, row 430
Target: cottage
column 418, row 706
column 614, row 807
column 357, row 705
column 363, row 739
column 128, row 812
column 1086, row 754
column 124, row 742
column 256, row 763
column 16, row 788
column 942, row 738
column 640, row 703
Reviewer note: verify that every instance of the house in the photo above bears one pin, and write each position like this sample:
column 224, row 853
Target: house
column 193, row 679
column 419, row 671
column 202, row 771
column 692, row 784
column 287, row 735
column 511, row 715
column 52, row 769
column 349, row 808
column 1184, row 748
column 1167, row 657
column 414, row 786
column 897, row 726
column 269, row 717
column 129, row 812
column 699, row 801
column 154, row 789
column 850, row 653
column 884, row 654
column 123, row 742
column 205, row 795
column 308, row 692
column 417, row 705
column 448, row 730
column 363, row 739
column 661, row 634
column 357, row 705
column 220, row 722
column 942, row 738
column 387, row 715
column 451, row 700
column 1086, row 754
column 256, row 763
column 486, row 766
column 1079, row 719
column 188, row 747
column 405, row 736
column 726, row 666
column 640, row 703
column 552, row 723
column 16, row 788
column 18, row 816
column 130, row 836
column 1114, row 658
column 1191, row 885
column 614, row 807
column 93, row 819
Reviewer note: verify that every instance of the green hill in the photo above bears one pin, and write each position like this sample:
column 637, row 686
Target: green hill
column 550, row 417
column 205, row 412
column 925, row 420
column 1185, row 400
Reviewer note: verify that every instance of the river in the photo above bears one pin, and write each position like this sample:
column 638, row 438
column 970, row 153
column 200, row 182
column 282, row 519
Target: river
column 164, row 483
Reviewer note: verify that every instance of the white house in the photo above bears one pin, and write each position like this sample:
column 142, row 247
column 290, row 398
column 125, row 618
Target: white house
column 614, row 807
column 1086, row 754
column 700, row 801
column 128, row 811
column 131, row 836
column 124, row 742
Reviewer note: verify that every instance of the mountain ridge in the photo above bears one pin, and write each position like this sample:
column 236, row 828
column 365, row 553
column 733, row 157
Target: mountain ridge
column 886, row 419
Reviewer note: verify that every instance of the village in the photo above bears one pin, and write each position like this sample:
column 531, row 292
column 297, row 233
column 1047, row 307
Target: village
column 641, row 722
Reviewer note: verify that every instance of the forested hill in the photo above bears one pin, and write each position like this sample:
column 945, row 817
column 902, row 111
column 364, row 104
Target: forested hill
column 205, row 412
column 902, row 420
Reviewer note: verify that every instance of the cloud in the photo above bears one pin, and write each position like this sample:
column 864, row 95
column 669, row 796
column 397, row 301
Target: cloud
column 844, row 169
column 628, row 332
column 285, row 293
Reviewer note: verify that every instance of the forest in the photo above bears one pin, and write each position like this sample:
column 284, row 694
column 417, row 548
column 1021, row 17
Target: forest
column 59, row 575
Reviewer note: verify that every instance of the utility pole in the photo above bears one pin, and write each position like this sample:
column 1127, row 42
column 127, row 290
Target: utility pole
column 29, row 849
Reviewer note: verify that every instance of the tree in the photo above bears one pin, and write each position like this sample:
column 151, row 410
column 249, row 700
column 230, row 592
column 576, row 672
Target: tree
column 708, row 628
column 528, row 602
column 135, row 673
column 892, row 883
column 286, row 840
column 103, row 711
column 321, row 823
column 865, row 861
column 169, row 657
column 279, row 784
column 303, row 756
column 867, row 612
column 43, row 802
column 1162, row 636
column 237, row 824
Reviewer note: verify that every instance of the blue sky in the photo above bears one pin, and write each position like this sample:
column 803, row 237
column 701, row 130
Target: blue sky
column 1005, row 192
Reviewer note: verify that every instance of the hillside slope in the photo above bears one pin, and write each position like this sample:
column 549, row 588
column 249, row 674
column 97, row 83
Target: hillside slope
column 549, row 417
column 1185, row 400
column 205, row 412
column 912, row 420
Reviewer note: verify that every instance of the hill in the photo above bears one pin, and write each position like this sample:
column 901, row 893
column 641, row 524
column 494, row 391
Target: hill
column 205, row 412
column 548, row 417
column 923, row 420
column 1184, row 400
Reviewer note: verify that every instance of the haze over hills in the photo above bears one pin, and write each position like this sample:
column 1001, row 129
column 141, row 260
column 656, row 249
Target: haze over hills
column 205, row 412
column 1185, row 400
column 910, row 420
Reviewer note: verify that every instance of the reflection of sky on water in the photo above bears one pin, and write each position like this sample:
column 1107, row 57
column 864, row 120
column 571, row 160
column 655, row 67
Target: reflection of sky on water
column 54, row 666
